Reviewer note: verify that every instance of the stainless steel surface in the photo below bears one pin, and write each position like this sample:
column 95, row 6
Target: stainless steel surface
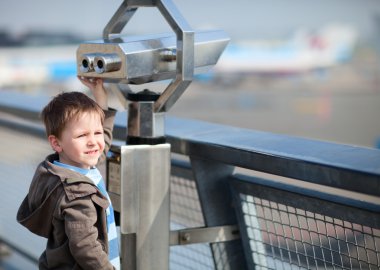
column 123, row 14
column 121, row 17
column 204, row 235
column 144, row 122
column 106, row 63
column 144, row 208
column 145, row 169
column 141, row 60
column 325, row 163
column 148, row 61
column 185, row 56
column 87, row 62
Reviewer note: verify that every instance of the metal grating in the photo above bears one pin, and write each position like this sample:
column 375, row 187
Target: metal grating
column 186, row 212
column 185, row 208
column 281, row 236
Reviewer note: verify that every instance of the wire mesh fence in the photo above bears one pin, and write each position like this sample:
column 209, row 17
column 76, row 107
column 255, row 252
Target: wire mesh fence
column 186, row 213
column 299, row 235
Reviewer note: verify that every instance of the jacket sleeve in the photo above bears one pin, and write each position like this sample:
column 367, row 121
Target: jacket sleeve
column 88, row 251
column 108, row 128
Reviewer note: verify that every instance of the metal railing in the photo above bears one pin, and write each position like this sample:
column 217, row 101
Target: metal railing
column 292, row 203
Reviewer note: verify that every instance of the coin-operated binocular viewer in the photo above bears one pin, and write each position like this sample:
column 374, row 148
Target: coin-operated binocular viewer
column 138, row 173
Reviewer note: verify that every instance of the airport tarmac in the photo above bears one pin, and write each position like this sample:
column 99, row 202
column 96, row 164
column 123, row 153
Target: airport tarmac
column 341, row 104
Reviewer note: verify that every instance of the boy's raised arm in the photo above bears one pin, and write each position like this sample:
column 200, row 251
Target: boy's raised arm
column 97, row 88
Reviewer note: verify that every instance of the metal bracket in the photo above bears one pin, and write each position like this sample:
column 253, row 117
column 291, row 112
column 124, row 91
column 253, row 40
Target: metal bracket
column 204, row 235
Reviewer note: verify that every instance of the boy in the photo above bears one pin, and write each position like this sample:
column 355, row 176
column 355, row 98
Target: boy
column 67, row 202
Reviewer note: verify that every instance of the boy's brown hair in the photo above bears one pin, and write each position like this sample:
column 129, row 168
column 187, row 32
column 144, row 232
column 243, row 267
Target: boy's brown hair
column 65, row 107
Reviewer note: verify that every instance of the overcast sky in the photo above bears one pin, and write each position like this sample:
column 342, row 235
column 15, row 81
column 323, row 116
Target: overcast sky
column 241, row 19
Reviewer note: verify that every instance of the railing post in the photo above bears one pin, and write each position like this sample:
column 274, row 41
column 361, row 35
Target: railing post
column 145, row 206
column 217, row 207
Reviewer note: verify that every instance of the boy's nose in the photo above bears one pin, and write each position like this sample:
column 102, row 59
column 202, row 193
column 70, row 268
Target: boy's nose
column 91, row 140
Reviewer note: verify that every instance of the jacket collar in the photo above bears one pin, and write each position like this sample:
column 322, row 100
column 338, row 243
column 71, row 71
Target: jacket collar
column 66, row 175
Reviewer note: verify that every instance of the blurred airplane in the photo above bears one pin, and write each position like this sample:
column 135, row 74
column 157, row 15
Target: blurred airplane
column 305, row 51
column 39, row 66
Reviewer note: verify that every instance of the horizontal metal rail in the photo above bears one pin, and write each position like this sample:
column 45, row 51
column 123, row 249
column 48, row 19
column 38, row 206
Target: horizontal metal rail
column 19, row 250
column 336, row 165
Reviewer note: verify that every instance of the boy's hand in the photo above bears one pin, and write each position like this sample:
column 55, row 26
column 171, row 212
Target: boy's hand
column 97, row 88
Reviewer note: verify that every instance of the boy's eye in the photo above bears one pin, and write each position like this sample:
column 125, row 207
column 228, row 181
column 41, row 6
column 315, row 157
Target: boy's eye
column 98, row 133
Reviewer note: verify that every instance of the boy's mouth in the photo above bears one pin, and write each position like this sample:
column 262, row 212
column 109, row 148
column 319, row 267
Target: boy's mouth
column 92, row 152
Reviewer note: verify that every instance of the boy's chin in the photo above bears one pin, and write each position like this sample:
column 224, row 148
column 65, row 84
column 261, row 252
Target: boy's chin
column 92, row 163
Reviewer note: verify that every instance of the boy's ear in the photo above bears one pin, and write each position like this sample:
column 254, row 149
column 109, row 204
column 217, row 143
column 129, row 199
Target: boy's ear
column 54, row 142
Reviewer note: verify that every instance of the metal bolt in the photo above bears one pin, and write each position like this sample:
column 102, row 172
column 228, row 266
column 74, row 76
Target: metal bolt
column 186, row 237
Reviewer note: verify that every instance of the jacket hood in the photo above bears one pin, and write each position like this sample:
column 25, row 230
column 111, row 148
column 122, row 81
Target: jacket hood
column 46, row 190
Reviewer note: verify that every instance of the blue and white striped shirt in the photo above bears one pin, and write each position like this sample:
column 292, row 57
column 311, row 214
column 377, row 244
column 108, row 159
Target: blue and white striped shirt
column 113, row 242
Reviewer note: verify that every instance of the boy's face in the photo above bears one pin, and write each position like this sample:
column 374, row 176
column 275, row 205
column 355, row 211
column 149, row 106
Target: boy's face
column 81, row 142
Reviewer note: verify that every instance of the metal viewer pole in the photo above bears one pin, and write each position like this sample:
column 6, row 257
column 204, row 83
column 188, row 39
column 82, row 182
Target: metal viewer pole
column 138, row 173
